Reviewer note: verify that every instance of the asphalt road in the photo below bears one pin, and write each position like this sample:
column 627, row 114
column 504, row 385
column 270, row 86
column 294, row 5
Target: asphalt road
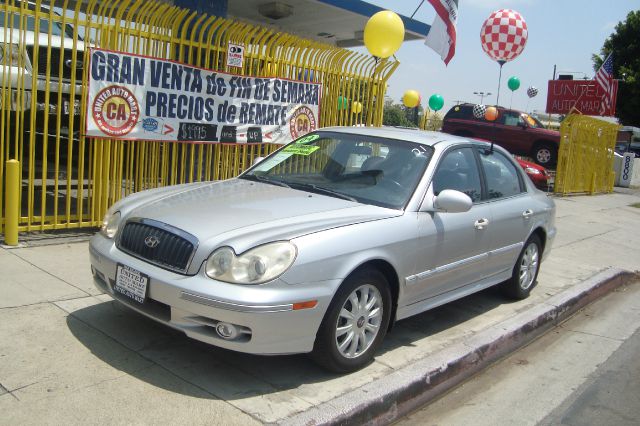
column 611, row 397
column 584, row 372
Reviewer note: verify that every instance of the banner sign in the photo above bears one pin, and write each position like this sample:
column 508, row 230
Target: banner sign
column 138, row 97
column 585, row 95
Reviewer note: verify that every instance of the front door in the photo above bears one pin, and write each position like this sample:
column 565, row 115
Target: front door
column 453, row 246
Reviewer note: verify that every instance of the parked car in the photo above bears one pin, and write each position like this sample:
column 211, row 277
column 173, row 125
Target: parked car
column 538, row 174
column 319, row 250
column 61, row 54
column 514, row 130
column 622, row 147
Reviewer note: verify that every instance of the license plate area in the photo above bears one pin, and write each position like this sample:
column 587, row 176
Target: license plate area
column 66, row 106
column 131, row 283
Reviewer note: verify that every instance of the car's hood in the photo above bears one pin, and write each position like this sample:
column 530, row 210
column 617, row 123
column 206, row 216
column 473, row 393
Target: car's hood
column 244, row 214
column 525, row 163
column 29, row 39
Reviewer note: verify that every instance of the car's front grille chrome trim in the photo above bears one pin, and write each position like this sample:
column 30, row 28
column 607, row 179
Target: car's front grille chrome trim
column 173, row 250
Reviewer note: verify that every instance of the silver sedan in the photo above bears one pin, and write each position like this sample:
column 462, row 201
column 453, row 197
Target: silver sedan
column 321, row 246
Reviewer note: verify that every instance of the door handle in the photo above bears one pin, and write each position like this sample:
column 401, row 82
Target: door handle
column 527, row 213
column 481, row 223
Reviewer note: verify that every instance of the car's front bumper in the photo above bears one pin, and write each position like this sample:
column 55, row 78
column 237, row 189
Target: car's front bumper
column 263, row 314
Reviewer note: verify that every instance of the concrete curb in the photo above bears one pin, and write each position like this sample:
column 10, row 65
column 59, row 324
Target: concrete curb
column 406, row 389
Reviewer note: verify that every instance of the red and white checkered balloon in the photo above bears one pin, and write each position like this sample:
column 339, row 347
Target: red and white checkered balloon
column 504, row 35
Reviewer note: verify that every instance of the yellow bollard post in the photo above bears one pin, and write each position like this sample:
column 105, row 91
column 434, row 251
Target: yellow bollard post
column 12, row 208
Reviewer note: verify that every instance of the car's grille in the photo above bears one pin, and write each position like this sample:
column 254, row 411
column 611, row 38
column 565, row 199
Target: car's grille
column 173, row 248
column 54, row 68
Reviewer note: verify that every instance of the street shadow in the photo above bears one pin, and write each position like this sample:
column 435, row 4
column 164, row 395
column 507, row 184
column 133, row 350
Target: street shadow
column 110, row 330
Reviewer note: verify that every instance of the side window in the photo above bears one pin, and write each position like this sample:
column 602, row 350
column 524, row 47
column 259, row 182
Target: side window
column 511, row 119
column 458, row 170
column 461, row 111
column 502, row 176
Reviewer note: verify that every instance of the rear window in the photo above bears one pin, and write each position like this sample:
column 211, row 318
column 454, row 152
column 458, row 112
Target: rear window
column 461, row 111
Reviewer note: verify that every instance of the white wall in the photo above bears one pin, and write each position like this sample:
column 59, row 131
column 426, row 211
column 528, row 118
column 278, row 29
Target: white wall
column 635, row 179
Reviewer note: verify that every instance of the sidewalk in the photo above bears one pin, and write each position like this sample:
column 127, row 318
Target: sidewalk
column 71, row 355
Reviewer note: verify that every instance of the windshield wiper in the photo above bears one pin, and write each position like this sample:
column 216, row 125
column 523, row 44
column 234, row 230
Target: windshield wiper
column 265, row 179
column 322, row 190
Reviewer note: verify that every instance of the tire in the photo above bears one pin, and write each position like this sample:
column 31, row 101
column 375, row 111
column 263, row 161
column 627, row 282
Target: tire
column 545, row 154
column 525, row 271
column 338, row 347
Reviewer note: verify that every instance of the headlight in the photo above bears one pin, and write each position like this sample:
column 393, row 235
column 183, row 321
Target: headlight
column 10, row 53
column 110, row 224
column 533, row 171
column 256, row 266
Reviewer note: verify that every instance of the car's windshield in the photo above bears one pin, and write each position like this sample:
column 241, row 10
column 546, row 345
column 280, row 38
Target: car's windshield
column 532, row 121
column 357, row 167
column 29, row 24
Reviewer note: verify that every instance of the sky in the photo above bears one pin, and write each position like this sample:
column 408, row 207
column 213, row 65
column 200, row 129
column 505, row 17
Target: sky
column 564, row 33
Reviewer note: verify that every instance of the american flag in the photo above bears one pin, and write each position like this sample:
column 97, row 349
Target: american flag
column 604, row 79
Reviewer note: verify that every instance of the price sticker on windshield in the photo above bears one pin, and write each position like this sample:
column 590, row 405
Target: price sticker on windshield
column 300, row 149
column 307, row 139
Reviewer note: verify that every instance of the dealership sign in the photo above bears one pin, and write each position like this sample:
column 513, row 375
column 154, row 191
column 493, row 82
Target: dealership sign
column 137, row 97
column 585, row 95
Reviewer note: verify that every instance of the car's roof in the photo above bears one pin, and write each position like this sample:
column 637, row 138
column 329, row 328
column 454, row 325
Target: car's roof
column 404, row 133
column 500, row 107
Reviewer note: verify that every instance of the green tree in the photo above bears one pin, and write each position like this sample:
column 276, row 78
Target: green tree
column 624, row 43
column 397, row 115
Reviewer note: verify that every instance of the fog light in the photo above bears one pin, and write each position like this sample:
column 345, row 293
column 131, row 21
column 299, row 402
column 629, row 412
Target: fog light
column 226, row 331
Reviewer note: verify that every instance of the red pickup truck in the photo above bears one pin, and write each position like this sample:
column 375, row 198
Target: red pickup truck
column 516, row 131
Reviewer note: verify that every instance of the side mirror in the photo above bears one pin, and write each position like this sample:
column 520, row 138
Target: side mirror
column 257, row 160
column 452, row 201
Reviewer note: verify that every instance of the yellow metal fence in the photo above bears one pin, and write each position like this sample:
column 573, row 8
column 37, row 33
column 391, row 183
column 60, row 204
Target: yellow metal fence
column 67, row 180
column 585, row 157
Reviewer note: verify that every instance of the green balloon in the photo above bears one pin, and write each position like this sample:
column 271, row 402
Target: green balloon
column 342, row 102
column 514, row 83
column 436, row 102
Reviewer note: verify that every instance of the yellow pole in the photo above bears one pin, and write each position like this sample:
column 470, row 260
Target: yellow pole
column 12, row 208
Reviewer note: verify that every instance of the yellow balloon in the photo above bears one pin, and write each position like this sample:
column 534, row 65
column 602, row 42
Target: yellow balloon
column 411, row 98
column 356, row 107
column 383, row 34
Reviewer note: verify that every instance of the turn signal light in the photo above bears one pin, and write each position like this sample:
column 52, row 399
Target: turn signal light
column 305, row 305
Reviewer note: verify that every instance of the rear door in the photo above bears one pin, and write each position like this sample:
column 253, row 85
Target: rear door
column 511, row 210
column 511, row 133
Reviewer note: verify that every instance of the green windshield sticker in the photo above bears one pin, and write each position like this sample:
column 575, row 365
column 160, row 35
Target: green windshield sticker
column 308, row 139
column 300, row 150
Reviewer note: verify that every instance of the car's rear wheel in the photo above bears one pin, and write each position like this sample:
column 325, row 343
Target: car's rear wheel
column 355, row 323
column 525, row 271
column 545, row 154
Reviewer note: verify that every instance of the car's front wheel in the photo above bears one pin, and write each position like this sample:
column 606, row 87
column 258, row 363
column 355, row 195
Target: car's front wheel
column 355, row 323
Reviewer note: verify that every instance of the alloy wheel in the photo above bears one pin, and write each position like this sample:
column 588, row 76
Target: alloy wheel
column 359, row 321
column 529, row 266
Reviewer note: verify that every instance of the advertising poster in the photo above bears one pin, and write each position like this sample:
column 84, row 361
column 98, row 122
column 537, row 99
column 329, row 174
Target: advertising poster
column 138, row 97
column 585, row 95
